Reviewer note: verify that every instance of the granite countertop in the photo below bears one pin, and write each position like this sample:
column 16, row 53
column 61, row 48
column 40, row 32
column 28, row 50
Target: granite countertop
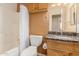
column 63, row 37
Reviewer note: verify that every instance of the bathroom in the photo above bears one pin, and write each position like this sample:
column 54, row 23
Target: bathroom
column 43, row 29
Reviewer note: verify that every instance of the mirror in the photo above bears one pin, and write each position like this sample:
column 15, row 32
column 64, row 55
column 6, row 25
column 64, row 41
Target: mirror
column 69, row 18
column 77, row 17
column 54, row 18
column 62, row 18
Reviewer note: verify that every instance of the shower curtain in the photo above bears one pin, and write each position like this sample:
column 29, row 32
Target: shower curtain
column 24, row 28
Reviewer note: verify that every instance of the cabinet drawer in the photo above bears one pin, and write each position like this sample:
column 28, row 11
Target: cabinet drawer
column 61, row 45
column 53, row 52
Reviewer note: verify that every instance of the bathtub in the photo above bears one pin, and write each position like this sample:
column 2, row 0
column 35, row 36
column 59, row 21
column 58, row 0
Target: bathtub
column 12, row 52
column 30, row 51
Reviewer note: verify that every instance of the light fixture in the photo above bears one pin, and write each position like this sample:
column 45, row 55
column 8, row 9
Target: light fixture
column 53, row 5
column 65, row 3
column 58, row 4
column 71, row 4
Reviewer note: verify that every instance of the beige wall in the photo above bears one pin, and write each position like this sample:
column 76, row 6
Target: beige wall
column 9, row 27
column 39, row 23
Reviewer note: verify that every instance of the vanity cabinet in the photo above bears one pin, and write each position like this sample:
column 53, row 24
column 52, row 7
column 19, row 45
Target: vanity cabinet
column 54, row 52
column 62, row 48
column 37, row 7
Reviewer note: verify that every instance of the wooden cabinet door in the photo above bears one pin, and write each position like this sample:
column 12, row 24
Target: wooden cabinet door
column 76, row 46
column 43, row 6
column 61, row 45
column 18, row 7
column 35, row 6
column 30, row 7
column 54, row 52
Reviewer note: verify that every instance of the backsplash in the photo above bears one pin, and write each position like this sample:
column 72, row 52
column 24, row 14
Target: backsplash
column 64, row 33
